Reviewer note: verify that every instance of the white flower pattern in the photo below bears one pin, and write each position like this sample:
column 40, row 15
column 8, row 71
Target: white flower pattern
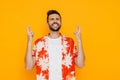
column 68, row 60
column 40, row 77
column 43, row 62
column 40, row 45
column 65, row 46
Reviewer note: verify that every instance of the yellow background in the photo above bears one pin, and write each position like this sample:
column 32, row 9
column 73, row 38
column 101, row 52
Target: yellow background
column 100, row 28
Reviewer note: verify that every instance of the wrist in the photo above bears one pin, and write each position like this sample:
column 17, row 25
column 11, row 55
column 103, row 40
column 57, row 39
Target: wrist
column 78, row 39
column 29, row 41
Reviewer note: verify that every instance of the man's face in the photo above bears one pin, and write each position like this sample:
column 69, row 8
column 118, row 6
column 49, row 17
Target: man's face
column 54, row 22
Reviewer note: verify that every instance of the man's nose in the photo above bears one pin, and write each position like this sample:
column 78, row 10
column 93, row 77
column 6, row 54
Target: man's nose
column 55, row 20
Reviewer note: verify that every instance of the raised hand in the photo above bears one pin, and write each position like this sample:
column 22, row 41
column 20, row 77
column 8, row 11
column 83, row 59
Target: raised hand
column 30, row 34
column 78, row 33
column 80, row 55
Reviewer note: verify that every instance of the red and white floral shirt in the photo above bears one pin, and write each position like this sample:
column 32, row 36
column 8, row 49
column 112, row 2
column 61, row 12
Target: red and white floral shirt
column 69, row 52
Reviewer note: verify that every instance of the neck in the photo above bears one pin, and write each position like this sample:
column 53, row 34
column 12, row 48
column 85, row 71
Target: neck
column 54, row 35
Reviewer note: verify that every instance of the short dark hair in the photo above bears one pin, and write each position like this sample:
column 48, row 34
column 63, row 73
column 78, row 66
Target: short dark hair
column 52, row 12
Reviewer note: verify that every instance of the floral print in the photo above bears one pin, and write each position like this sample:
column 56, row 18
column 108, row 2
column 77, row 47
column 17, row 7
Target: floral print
column 67, row 61
column 42, row 58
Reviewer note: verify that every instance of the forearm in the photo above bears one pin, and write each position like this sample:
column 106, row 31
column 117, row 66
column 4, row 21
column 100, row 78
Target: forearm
column 29, row 59
column 80, row 56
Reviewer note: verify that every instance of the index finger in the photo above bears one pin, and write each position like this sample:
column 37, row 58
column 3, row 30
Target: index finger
column 28, row 29
column 79, row 27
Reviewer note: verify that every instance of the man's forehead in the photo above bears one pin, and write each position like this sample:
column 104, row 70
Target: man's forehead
column 54, row 15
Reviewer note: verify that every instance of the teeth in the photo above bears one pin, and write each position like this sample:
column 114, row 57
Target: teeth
column 55, row 24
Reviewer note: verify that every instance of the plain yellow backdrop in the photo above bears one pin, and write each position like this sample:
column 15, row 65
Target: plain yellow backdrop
column 100, row 28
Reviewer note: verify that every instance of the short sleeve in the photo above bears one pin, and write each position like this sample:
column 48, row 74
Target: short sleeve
column 74, row 49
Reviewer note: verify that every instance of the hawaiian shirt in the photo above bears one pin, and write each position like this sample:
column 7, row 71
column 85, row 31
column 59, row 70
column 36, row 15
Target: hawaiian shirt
column 69, row 52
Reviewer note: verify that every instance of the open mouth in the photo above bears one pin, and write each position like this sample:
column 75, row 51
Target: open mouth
column 55, row 24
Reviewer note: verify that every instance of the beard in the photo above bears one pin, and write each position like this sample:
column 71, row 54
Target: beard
column 51, row 27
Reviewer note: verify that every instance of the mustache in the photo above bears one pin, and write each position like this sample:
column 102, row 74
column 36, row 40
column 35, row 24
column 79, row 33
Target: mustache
column 55, row 23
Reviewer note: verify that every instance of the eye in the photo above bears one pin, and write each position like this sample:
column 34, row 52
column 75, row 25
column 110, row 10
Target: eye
column 51, row 18
column 57, row 18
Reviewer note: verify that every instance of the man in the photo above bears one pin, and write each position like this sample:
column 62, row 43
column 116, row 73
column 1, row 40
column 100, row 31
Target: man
column 54, row 55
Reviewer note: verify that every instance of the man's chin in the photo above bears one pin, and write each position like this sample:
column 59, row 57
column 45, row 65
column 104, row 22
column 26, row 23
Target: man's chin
column 55, row 29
